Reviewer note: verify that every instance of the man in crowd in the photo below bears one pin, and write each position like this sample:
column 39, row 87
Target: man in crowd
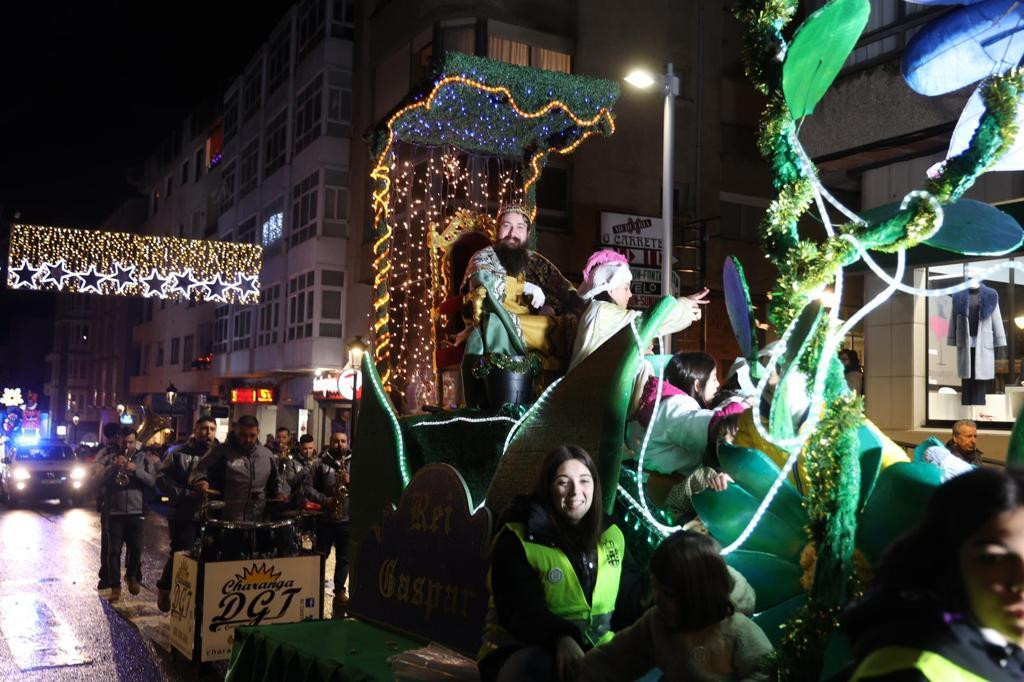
column 964, row 443
column 124, row 480
column 518, row 300
column 242, row 470
column 291, row 469
column 327, row 485
column 181, row 516
column 111, row 448
column 284, row 441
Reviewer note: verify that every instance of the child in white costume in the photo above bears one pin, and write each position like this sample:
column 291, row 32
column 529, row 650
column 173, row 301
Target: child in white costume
column 605, row 285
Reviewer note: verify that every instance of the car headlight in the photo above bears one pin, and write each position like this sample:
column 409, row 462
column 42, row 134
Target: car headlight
column 21, row 475
column 77, row 474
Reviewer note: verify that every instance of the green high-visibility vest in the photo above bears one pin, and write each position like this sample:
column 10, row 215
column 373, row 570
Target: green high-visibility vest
column 562, row 589
column 896, row 658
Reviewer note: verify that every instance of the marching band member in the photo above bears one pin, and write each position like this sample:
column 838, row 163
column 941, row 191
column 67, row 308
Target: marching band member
column 327, row 484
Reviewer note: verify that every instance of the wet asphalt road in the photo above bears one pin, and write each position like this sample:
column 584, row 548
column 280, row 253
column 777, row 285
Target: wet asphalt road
column 54, row 625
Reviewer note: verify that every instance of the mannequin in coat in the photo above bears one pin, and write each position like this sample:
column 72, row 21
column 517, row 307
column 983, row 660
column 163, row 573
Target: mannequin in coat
column 976, row 329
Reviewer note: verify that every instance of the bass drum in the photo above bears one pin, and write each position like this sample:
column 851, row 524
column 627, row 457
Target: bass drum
column 241, row 540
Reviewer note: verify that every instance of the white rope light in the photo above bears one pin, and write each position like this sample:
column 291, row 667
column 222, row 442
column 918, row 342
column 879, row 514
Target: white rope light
column 471, row 420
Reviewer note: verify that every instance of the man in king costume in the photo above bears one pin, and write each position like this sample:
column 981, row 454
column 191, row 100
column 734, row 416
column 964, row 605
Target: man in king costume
column 518, row 300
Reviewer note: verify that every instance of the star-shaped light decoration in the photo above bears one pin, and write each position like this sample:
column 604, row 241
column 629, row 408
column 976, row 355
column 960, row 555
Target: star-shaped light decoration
column 92, row 281
column 122, row 277
column 219, row 289
column 56, row 274
column 249, row 288
column 185, row 283
column 22, row 276
column 154, row 285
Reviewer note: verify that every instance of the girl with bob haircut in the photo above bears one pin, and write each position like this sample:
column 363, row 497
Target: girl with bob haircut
column 947, row 601
column 554, row 577
column 693, row 631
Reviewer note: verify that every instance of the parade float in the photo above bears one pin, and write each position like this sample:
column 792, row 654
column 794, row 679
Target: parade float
column 819, row 491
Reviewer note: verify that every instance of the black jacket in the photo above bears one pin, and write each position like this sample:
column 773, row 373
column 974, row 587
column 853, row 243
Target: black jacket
column 175, row 471
column 245, row 479
column 519, row 597
column 322, row 481
column 908, row 619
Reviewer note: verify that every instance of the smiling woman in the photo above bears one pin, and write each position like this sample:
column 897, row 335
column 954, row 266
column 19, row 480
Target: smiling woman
column 948, row 598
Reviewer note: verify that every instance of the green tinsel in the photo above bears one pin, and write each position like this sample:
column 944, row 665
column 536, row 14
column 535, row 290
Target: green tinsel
column 518, row 364
column 831, row 456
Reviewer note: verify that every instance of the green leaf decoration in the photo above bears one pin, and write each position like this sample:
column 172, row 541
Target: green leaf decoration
column 1015, row 451
column 774, row 580
column 780, row 420
column 969, row 227
column 898, row 502
column 756, row 472
column 870, row 462
column 818, row 51
column 726, row 513
column 772, row 620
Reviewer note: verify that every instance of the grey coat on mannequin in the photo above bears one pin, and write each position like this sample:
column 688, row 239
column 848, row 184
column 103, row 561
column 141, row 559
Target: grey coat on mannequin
column 991, row 334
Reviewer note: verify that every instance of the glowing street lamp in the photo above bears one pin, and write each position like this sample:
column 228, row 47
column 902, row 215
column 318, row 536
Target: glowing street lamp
column 356, row 349
column 669, row 85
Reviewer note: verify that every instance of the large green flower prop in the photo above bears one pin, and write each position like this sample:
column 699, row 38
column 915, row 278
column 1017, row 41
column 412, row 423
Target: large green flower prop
column 778, row 558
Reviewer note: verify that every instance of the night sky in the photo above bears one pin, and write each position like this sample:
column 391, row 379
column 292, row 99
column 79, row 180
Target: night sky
column 90, row 88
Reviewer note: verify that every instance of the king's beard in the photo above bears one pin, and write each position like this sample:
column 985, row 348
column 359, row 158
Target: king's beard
column 513, row 256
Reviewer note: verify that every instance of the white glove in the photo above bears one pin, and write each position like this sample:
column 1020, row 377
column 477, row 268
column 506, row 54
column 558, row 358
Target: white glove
column 537, row 297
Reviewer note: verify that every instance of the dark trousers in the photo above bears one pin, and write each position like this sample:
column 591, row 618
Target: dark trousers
column 183, row 535
column 124, row 529
column 104, row 548
column 973, row 390
column 330, row 534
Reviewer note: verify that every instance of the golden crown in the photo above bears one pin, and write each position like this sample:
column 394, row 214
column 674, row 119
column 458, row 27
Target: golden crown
column 521, row 209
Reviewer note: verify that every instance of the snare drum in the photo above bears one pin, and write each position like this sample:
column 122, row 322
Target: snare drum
column 276, row 539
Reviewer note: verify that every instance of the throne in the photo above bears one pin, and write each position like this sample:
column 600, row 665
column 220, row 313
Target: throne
column 450, row 249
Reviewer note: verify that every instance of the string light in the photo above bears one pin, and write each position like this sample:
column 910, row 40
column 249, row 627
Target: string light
column 414, row 123
column 114, row 263
column 468, row 420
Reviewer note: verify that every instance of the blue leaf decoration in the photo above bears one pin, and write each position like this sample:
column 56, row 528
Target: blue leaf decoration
column 737, row 304
column 969, row 227
column 965, row 46
column 970, row 117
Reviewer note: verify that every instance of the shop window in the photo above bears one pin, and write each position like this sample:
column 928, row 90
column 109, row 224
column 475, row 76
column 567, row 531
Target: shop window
column 975, row 343
column 300, row 306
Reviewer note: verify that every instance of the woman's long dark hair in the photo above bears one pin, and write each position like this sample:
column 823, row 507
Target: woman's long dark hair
column 690, row 372
column 926, row 560
column 583, row 536
column 854, row 365
column 689, row 566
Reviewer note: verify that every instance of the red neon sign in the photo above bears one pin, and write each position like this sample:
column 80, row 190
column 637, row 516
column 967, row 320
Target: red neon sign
column 252, row 396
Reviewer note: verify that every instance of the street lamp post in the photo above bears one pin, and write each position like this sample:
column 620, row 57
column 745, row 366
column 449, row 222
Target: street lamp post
column 355, row 360
column 74, row 420
column 669, row 84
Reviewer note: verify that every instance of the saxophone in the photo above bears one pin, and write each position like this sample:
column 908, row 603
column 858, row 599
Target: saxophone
column 339, row 492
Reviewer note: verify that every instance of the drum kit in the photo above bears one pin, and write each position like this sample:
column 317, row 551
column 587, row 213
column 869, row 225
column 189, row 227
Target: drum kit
column 292, row 533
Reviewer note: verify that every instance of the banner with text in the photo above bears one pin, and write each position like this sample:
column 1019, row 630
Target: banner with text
column 256, row 592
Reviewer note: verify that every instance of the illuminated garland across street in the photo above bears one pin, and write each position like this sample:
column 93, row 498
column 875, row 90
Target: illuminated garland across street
column 125, row 264
column 483, row 107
